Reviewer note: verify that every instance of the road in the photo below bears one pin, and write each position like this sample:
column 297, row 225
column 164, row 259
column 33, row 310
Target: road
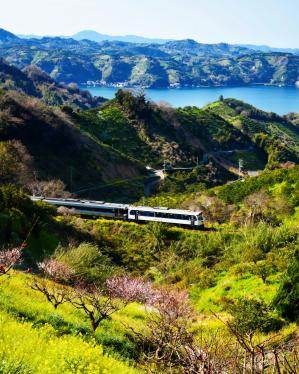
column 156, row 176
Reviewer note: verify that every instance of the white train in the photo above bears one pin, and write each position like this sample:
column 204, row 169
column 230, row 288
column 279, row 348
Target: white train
column 189, row 218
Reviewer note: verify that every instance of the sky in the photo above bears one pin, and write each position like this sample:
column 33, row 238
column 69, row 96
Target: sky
column 269, row 22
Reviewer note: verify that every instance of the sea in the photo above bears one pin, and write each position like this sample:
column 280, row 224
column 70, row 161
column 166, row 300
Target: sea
column 280, row 100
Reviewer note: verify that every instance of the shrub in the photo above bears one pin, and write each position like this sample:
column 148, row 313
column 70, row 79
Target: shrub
column 251, row 316
column 87, row 261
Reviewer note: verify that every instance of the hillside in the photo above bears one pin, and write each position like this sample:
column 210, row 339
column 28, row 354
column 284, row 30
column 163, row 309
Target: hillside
column 112, row 145
column 274, row 134
column 172, row 64
column 184, row 136
column 50, row 147
column 231, row 273
column 271, row 196
column 34, row 82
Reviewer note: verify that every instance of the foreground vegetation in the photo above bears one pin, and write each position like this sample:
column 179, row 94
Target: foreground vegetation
column 242, row 282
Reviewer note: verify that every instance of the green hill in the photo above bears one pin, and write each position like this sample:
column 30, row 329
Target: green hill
column 157, row 133
column 221, row 133
column 92, row 150
column 275, row 135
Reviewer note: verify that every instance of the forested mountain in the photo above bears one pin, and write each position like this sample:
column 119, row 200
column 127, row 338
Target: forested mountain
column 174, row 63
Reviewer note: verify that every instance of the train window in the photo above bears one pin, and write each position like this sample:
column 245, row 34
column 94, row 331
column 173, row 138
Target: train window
column 133, row 212
column 99, row 209
column 147, row 214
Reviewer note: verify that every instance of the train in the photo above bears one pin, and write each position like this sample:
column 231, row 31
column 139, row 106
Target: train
column 139, row 214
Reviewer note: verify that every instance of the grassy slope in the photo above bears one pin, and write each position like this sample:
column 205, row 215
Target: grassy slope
column 58, row 341
column 231, row 287
column 64, row 336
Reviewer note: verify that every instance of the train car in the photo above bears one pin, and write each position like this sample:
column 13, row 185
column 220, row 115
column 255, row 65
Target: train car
column 88, row 207
column 162, row 214
column 193, row 219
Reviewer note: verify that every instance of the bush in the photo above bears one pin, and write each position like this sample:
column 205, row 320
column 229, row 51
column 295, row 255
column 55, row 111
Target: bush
column 250, row 316
column 87, row 261
column 19, row 215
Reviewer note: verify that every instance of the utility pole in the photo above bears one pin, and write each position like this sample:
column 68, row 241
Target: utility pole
column 241, row 165
column 71, row 179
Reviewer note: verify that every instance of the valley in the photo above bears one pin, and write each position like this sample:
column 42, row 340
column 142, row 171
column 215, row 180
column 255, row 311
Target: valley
column 83, row 294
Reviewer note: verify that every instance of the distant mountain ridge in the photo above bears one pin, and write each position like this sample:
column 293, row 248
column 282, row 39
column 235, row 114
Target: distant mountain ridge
column 6, row 36
column 266, row 48
column 95, row 36
column 99, row 37
column 177, row 63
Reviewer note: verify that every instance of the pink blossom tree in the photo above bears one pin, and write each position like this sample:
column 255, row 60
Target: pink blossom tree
column 100, row 302
column 9, row 258
column 54, row 283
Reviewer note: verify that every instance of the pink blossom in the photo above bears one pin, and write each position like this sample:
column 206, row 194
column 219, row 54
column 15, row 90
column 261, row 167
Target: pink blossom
column 55, row 269
column 130, row 289
column 10, row 258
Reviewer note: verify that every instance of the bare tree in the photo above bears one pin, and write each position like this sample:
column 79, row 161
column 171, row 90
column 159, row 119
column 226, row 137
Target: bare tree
column 100, row 302
column 253, row 354
column 215, row 210
column 52, row 188
column 168, row 344
column 54, row 285
column 66, row 212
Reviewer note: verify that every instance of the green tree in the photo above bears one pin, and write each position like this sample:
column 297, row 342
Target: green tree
column 251, row 316
column 287, row 298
